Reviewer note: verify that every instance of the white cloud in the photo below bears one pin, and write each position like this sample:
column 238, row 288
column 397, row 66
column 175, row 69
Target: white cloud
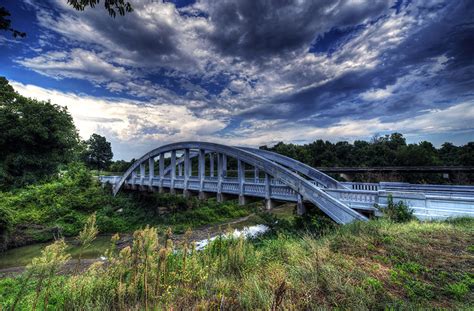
column 77, row 63
column 130, row 124
column 126, row 121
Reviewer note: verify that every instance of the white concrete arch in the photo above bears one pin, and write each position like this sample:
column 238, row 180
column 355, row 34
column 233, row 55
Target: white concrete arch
column 302, row 189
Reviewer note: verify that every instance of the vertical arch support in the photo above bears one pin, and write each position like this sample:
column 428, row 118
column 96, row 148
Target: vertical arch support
column 280, row 172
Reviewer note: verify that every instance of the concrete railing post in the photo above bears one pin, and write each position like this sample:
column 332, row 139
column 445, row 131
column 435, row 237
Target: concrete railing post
column 300, row 208
column 241, row 178
column 162, row 170
column 202, row 172
column 268, row 200
column 187, row 170
column 142, row 175
column 151, row 172
column 211, row 164
column 219, row 177
column 173, row 170
column 224, row 165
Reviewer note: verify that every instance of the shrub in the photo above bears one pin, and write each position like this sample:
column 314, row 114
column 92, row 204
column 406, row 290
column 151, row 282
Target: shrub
column 315, row 221
column 5, row 220
column 397, row 212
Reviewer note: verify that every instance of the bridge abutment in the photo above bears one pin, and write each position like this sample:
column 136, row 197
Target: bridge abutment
column 187, row 193
column 203, row 195
column 300, row 206
column 222, row 197
column 270, row 204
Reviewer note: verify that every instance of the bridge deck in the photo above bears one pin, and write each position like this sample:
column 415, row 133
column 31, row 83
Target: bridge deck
column 429, row 202
column 285, row 179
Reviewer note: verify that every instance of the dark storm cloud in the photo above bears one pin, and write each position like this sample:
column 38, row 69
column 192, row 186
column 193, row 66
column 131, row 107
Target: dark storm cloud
column 451, row 36
column 252, row 29
column 303, row 63
column 149, row 39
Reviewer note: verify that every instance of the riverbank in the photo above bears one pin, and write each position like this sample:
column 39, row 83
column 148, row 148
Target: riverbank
column 59, row 208
column 13, row 261
column 372, row 265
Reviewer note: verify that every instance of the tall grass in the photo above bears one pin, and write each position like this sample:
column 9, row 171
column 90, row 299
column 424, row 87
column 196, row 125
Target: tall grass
column 374, row 265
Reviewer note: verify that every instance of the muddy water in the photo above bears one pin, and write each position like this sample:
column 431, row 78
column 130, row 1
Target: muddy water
column 21, row 256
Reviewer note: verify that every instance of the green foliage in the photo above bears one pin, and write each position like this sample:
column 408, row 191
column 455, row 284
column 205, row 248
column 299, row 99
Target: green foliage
column 287, row 272
column 36, row 138
column 458, row 289
column 98, row 153
column 120, row 166
column 314, row 221
column 89, row 232
column 388, row 150
column 62, row 206
column 5, row 220
column 112, row 6
column 397, row 212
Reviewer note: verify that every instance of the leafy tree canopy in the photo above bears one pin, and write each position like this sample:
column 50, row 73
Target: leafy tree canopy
column 388, row 150
column 112, row 6
column 5, row 23
column 36, row 138
column 98, row 153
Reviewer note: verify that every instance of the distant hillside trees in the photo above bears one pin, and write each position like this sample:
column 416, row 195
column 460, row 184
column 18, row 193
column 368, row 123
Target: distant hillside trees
column 120, row 166
column 36, row 137
column 388, row 150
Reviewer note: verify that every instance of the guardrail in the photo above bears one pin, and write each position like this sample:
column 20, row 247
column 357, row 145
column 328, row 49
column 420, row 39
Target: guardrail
column 429, row 202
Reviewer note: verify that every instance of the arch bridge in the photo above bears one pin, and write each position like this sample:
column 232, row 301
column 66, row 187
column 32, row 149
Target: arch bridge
column 202, row 168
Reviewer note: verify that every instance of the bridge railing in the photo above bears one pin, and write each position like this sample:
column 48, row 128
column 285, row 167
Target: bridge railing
column 427, row 201
column 446, row 190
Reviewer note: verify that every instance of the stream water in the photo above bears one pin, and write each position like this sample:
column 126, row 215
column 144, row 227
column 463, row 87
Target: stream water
column 21, row 256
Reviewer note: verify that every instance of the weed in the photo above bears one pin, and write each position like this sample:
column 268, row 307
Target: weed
column 397, row 212
column 457, row 290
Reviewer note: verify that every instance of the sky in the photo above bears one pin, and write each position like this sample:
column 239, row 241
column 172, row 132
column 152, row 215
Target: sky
column 246, row 72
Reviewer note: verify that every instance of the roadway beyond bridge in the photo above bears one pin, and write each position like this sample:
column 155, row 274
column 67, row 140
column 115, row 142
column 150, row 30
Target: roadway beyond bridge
column 201, row 168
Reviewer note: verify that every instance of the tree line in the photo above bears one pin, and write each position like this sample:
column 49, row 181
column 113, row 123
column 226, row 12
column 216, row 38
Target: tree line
column 387, row 150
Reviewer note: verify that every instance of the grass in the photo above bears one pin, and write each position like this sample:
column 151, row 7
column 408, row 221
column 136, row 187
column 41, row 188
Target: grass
column 374, row 265
column 60, row 207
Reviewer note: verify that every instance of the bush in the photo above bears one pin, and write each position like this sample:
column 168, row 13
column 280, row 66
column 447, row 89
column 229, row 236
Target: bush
column 397, row 212
column 5, row 220
column 315, row 221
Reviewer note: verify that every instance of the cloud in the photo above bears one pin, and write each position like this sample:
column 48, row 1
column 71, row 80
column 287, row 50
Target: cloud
column 231, row 61
column 126, row 121
column 136, row 127
column 260, row 29
column 77, row 63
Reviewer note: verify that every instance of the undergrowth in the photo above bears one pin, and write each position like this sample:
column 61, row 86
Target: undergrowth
column 60, row 208
column 373, row 265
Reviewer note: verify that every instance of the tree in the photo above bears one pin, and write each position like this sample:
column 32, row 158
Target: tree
column 36, row 137
column 112, row 6
column 449, row 154
column 466, row 154
column 98, row 153
column 120, row 166
column 5, row 23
